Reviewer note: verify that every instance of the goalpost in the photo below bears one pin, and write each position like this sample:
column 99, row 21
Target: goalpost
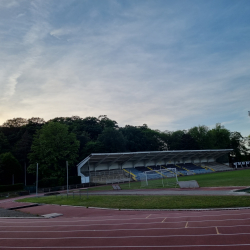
column 162, row 177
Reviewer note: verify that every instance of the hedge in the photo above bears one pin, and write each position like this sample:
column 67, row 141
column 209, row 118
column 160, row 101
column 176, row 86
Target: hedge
column 6, row 188
column 53, row 181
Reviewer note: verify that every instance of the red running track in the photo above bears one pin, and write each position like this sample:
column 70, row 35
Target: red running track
column 86, row 228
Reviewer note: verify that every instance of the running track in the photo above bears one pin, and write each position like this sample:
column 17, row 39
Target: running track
column 87, row 228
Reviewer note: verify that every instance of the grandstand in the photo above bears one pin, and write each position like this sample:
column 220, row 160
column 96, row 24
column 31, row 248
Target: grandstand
column 107, row 168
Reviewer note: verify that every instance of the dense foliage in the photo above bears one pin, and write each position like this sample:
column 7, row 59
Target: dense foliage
column 25, row 142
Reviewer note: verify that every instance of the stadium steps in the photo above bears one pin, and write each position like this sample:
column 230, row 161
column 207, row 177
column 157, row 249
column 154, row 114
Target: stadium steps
column 181, row 170
column 157, row 172
column 133, row 175
column 178, row 172
column 218, row 167
column 185, row 169
column 205, row 167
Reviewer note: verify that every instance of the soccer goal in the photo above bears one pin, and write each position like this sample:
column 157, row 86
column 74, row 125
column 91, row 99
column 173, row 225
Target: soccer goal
column 163, row 177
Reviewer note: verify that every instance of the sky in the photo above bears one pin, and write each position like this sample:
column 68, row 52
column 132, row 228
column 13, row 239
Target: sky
column 170, row 64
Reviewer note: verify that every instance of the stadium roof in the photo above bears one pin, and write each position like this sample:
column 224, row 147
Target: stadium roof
column 122, row 158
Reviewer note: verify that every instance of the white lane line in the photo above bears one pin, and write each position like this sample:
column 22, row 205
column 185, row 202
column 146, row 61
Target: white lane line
column 123, row 237
column 118, row 219
column 117, row 247
column 122, row 229
column 139, row 223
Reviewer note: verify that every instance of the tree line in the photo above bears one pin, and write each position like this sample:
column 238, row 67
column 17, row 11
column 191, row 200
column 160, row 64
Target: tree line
column 25, row 142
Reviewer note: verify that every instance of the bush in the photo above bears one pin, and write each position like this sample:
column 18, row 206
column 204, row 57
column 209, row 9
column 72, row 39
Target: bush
column 74, row 180
column 48, row 182
column 6, row 188
column 53, row 181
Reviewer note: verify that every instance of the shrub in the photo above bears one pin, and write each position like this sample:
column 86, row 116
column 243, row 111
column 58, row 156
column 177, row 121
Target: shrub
column 6, row 188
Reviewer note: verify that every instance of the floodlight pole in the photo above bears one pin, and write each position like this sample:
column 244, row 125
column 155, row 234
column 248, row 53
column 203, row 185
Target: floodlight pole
column 36, row 178
column 67, row 167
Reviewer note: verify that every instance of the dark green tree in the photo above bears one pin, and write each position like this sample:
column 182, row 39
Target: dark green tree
column 4, row 143
column 200, row 135
column 9, row 166
column 52, row 146
column 112, row 140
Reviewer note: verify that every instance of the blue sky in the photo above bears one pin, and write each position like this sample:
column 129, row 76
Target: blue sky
column 170, row 64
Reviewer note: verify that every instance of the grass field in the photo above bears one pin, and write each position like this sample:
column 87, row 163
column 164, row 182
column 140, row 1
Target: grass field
column 146, row 202
column 221, row 179
column 231, row 178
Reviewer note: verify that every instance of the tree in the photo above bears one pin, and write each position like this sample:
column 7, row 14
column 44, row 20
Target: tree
column 142, row 138
column 238, row 145
column 112, row 140
column 200, row 135
column 105, row 122
column 8, row 166
column 220, row 137
column 187, row 142
column 52, row 146
column 4, row 144
column 15, row 122
column 175, row 139
column 22, row 147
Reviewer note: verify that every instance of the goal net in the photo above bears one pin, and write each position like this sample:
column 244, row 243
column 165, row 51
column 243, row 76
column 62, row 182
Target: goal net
column 163, row 178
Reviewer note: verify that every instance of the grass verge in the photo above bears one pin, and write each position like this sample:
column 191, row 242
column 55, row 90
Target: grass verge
column 146, row 202
column 221, row 179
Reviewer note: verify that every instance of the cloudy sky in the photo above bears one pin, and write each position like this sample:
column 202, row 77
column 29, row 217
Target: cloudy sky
column 171, row 64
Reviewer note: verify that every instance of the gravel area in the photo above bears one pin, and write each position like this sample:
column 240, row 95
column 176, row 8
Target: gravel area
column 14, row 213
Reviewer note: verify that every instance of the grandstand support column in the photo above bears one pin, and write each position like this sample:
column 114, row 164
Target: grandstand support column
column 89, row 173
column 67, row 168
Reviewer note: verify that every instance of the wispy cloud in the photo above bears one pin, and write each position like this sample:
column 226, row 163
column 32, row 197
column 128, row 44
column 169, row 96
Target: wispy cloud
column 138, row 62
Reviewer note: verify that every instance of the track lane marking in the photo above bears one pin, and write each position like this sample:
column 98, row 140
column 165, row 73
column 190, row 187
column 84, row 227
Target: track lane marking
column 164, row 219
column 122, row 229
column 113, row 224
column 174, row 217
column 125, row 237
column 217, row 231
column 117, row 247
